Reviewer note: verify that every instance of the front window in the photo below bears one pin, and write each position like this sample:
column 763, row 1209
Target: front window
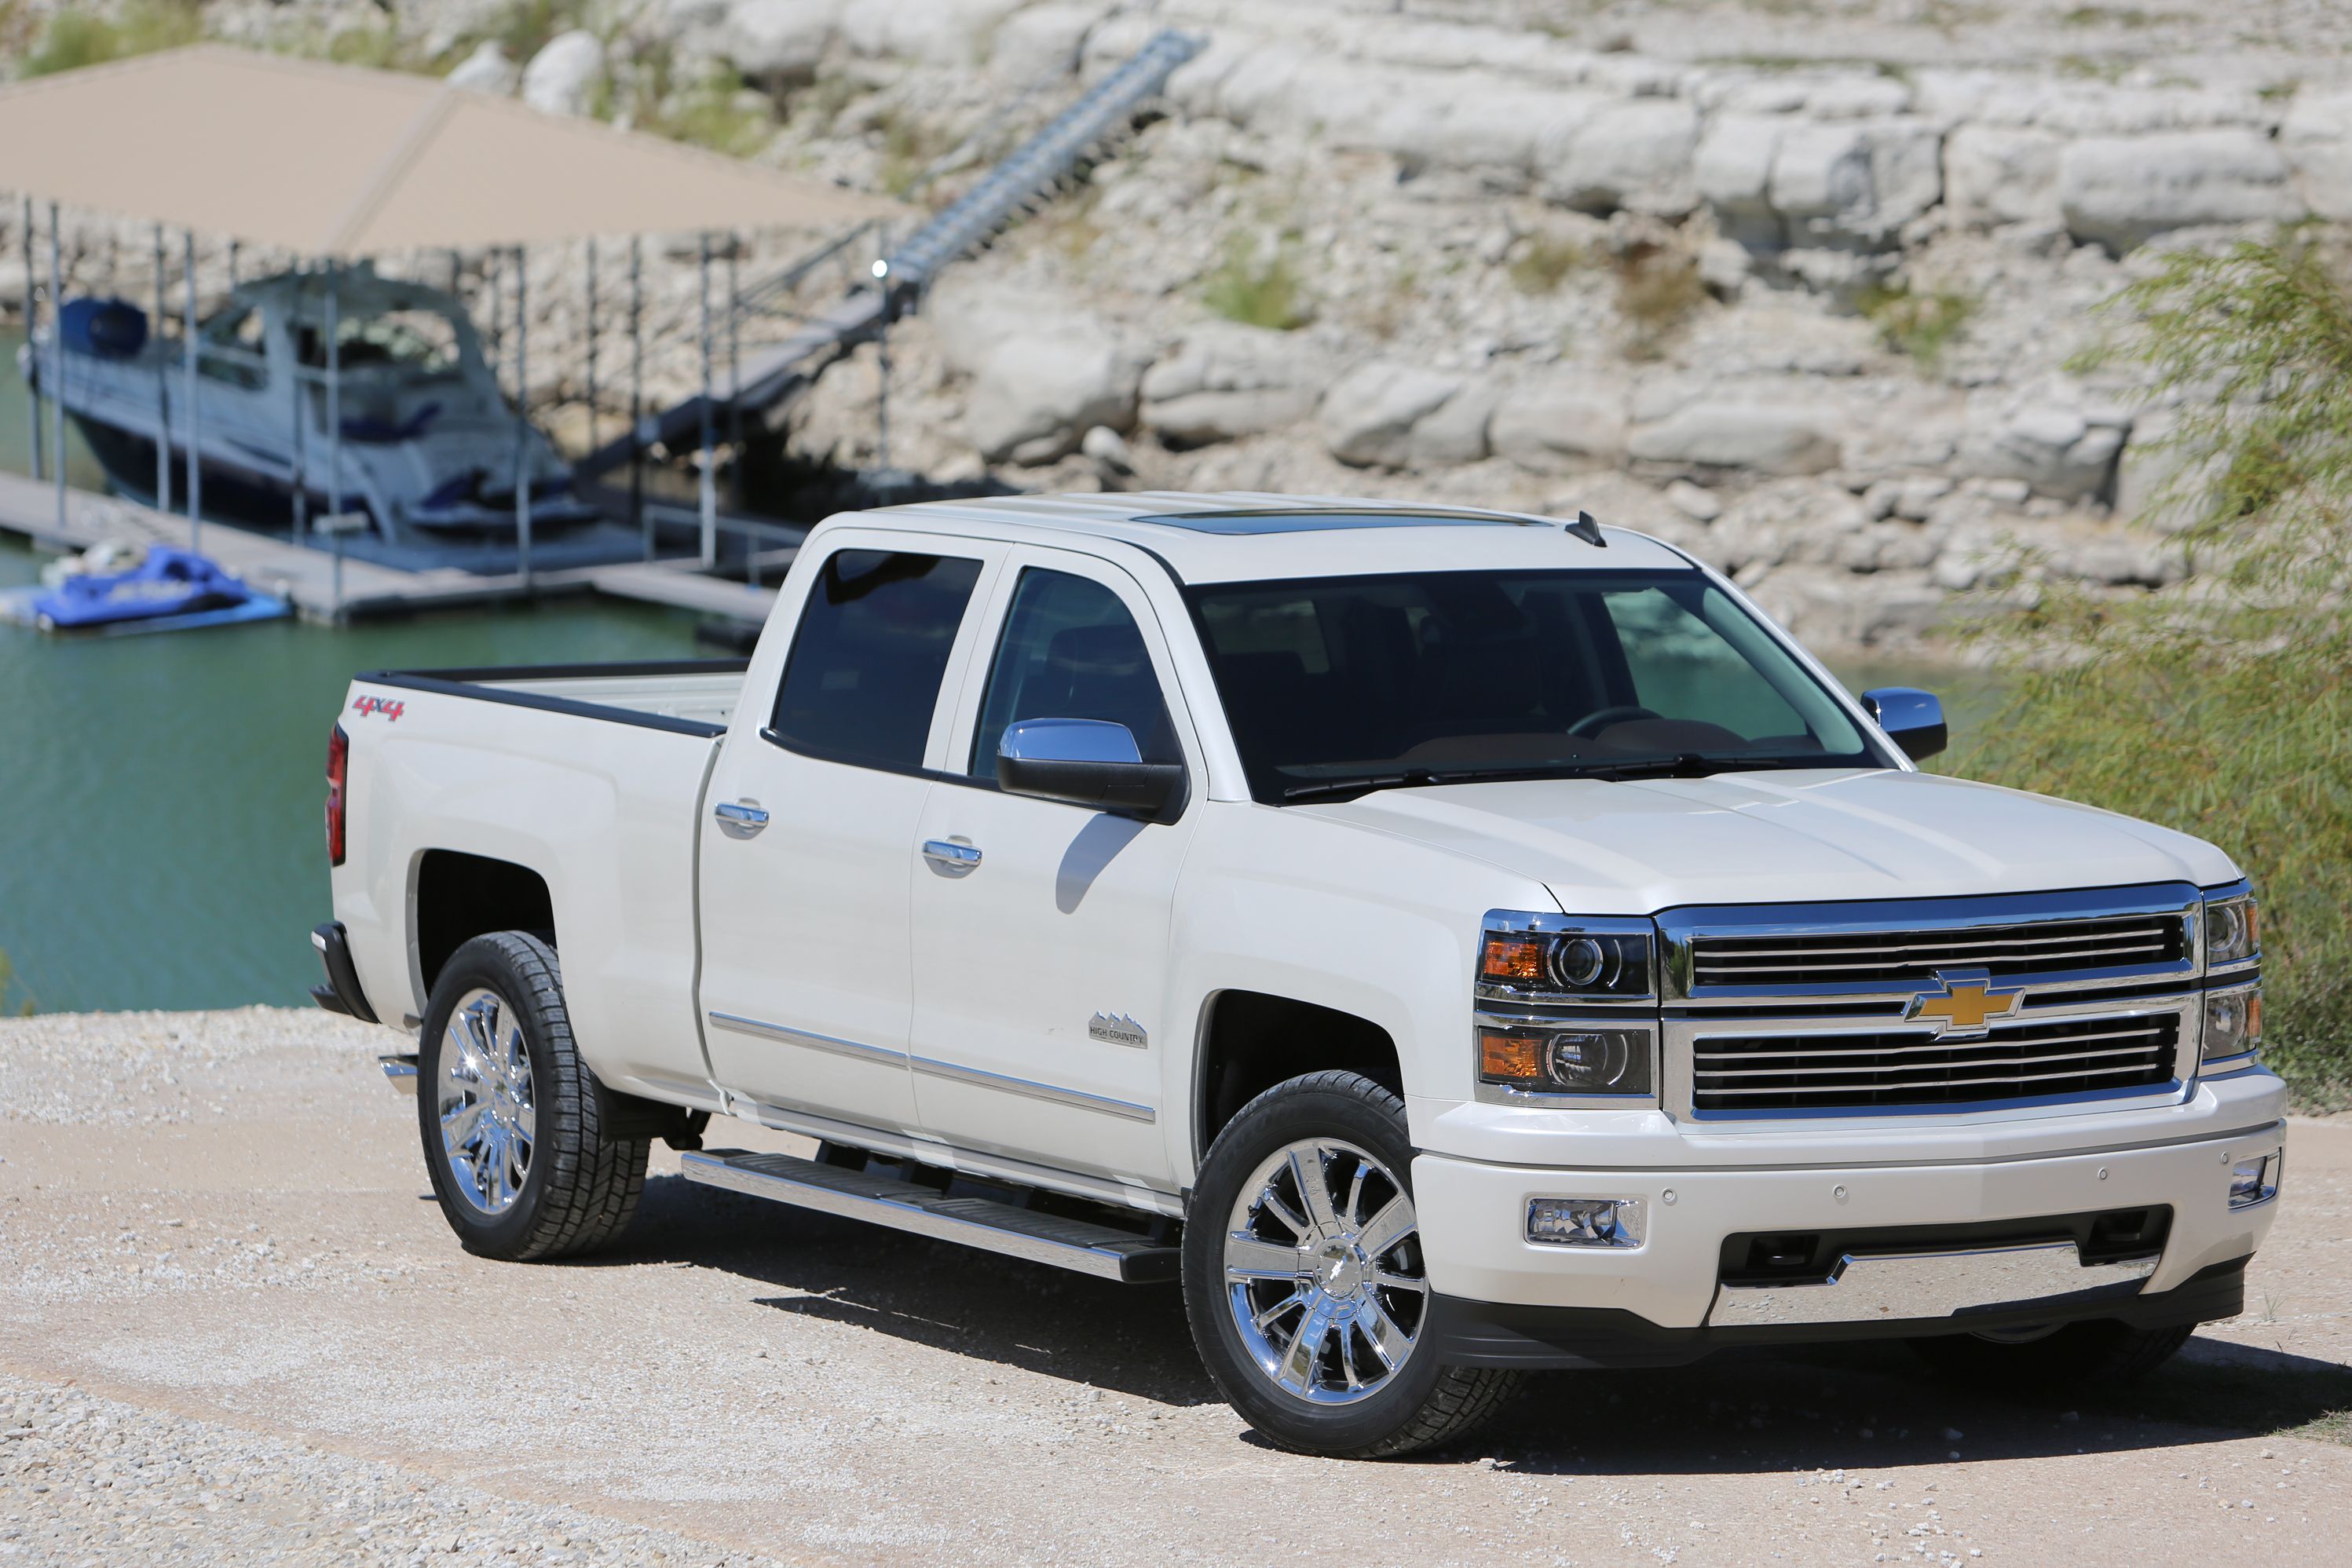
column 1336, row 685
column 423, row 342
column 1071, row 651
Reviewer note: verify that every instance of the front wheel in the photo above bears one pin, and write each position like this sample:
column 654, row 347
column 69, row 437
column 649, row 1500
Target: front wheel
column 1304, row 1282
column 510, row 1116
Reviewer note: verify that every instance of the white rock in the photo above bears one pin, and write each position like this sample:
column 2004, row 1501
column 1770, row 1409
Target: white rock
column 486, row 69
column 1569, row 420
column 1108, row 449
column 1698, row 504
column 1037, row 43
column 2062, row 449
column 2119, row 191
column 2317, row 138
column 1857, row 180
column 1634, row 155
column 1036, row 393
column 1767, row 436
column 562, row 79
column 1732, row 169
column 1227, row 379
column 1917, row 497
column 1998, row 174
column 777, row 41
column 938, row 32
column 1369, row 414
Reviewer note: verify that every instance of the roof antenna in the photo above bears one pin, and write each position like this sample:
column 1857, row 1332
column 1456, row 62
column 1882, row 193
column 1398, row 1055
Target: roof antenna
column 1585, row 529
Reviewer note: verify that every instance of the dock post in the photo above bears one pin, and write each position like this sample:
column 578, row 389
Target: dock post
column 591, row 342
column 523, row 419
column 882, row 370
column 294, row 381
column 162, row 390
column 32, row 307
column 334, row 404
column 709, row 491
column 735, row 369
column 195, row 465
column 58, row 360
column 637, row 393
column 232, row 264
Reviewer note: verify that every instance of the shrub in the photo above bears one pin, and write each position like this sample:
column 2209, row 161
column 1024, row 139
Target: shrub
column 1544, row 261
column 1657, row 291
column 1920, row 325
column 74, row 38
column 1258, row 286
column 2223, row 707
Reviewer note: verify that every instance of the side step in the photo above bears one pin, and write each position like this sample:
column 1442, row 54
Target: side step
column 1089, row 1248
column 400, row 1071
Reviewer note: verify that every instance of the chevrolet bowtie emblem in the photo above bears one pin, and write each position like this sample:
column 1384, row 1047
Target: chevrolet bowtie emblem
column 1964, row 1002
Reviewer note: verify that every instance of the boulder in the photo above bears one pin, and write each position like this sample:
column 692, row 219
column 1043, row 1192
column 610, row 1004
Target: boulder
column 1038, row 42
column 2063, row 448
column 1999, row 175
column 2316, row 139
column 1227, row 379
column 1732, row 169
column 1855, row 180
column 1566, row 421
column 562, row 78
column 778, row 43
column 1369, row 414
column 486, row 69
column 936, row 32
column 1635, row 154
column 1036, row 393
column 2119, row 191
column 1766, row 434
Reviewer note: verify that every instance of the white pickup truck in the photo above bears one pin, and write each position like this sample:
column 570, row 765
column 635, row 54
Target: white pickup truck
column 1446, row 942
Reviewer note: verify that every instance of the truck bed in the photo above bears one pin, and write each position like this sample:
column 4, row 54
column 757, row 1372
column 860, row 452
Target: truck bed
column 688, row 696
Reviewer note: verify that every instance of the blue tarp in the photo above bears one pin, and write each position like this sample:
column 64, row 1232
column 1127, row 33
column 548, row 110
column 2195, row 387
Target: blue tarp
column 167, row 583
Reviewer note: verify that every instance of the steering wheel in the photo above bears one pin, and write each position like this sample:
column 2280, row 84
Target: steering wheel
column 1593, row 723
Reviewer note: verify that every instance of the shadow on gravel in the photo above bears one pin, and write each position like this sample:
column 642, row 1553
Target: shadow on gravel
column 1131, row 1339
column 1869, row 1405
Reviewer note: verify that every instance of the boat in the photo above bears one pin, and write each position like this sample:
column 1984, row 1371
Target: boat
column 115, row 588
column 429, row 442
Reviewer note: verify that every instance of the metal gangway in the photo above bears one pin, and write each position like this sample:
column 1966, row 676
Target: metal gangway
column 1021, row 184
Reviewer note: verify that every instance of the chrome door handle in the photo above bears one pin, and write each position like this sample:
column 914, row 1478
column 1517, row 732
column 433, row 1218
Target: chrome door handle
column 739, row 818
column 950, row 857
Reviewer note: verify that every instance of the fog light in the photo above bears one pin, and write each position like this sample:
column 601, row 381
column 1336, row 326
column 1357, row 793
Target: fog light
column 1585, row 1221
column 2255, row 1180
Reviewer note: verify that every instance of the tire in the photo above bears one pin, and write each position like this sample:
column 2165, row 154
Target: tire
column 529, row 1181
column 1368, row 1385
column 2103, row 1352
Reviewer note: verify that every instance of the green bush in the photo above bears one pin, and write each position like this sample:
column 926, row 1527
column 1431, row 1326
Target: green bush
column 1920, row 325
column 74, row 38
column 2224, row 707
column 1258, row 287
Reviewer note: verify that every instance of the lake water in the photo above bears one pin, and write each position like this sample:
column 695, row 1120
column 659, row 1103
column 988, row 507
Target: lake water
column 160, row 836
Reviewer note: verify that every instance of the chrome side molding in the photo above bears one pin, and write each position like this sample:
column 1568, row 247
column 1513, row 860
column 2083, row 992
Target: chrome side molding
column 1893, row 1286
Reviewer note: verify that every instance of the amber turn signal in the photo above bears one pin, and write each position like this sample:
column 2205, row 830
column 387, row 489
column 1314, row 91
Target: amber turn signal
column 1514, row 960
column 1503, row 1057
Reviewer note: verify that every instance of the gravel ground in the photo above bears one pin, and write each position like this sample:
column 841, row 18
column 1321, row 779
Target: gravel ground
column 233, row 1328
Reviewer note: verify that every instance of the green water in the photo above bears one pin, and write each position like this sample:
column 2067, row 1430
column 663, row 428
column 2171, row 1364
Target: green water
column 159, row 797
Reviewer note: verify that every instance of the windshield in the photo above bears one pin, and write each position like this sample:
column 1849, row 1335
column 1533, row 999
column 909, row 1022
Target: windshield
column 1336, row 685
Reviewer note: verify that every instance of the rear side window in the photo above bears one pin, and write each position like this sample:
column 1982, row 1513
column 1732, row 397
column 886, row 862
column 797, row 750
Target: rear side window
column 872, row 645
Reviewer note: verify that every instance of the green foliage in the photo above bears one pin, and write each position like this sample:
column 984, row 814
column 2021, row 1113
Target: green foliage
column 1658, row 291
column 2224, row 707
column 1542, row 262
column 74, row 38
column 8, row 980
column 714, row 111
column 1920, row 325
column 1259, row 286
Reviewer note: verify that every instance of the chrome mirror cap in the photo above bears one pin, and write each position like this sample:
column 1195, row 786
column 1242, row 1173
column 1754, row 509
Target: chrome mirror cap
column 1912, row 719
column 1088, row 762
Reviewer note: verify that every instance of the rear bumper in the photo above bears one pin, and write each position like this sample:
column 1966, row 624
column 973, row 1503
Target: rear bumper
column 1474, row 1217
column 342, row 993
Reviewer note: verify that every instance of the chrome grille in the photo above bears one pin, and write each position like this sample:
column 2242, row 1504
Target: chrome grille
column 1835, row 1070
column 1880, row 960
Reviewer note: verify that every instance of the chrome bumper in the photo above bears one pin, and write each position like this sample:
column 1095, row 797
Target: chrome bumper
column 1898, row 1286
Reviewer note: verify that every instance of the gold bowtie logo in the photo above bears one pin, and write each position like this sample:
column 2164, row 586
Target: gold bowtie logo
column 1964, row 1005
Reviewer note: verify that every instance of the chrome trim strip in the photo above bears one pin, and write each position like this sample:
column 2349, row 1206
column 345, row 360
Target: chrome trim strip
column 738, row 1024
column 1053, row 1093
column 1685, row 1167
column 400, row 1073
column 1893, row 1286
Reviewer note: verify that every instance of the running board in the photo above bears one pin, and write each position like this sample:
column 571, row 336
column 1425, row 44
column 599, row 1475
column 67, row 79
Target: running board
column 400, row 1071
column 1078, row 1244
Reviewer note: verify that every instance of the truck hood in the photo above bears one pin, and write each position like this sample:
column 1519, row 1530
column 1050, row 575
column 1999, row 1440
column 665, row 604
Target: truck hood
column 1637, row 848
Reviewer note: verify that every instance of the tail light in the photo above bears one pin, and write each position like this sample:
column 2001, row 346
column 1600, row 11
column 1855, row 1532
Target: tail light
column 339, row 753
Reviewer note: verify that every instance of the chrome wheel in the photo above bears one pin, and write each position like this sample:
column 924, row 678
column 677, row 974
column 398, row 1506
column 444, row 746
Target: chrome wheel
column 1323, row 1271
column 489, row 1118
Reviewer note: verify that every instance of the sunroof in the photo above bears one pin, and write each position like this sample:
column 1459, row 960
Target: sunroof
column 1275, row 522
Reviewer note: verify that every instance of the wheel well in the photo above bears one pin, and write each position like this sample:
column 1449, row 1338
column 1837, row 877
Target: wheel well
column 1255, row 1041
column 461, row 897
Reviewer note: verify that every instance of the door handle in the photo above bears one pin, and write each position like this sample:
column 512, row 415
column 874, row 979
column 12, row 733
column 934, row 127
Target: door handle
column 739, row 818
column 950, row 857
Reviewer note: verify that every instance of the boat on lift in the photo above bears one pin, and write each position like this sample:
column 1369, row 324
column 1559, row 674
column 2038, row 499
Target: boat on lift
column 430, row 444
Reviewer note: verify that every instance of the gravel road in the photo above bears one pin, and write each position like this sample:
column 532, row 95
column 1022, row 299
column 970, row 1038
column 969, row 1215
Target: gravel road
column 234, row 1328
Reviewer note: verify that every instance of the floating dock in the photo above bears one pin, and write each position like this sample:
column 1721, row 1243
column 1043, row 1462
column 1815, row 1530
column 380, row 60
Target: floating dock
column 306, row 576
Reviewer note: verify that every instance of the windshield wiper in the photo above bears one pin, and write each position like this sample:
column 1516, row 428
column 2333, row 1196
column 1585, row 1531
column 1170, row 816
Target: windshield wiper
column 1349, row 789
column 1696, row 765
column 1684, row 765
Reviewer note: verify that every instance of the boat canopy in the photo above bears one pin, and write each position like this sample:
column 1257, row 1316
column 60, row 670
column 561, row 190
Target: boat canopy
column 336, row 161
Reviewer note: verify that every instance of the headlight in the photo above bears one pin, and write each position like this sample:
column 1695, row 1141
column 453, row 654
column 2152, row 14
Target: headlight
column 2233, row 1021
column 1549, row 959
column 2233, row 930
column 1540, row 1058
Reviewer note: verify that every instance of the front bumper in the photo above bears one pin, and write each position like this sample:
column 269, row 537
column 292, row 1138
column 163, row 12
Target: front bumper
column 1473, row 1220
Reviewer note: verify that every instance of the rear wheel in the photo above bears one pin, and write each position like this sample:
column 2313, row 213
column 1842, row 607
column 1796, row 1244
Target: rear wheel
column 2060, row 1357
column 1304, row 1282
column 510, row 1118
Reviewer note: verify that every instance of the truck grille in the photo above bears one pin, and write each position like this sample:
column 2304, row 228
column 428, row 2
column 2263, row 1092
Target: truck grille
column 1895, row 959
column 1834, row 1070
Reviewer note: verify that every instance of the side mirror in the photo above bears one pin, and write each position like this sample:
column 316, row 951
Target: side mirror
column 1088, row 762
column 1912, row 718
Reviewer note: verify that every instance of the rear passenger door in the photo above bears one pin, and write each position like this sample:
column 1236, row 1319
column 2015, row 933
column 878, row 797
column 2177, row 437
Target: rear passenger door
column 1042, row 1020
column 814, row 810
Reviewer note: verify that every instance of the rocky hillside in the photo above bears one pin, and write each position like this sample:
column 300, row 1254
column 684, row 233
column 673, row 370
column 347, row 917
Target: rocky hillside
column 1804, row 285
